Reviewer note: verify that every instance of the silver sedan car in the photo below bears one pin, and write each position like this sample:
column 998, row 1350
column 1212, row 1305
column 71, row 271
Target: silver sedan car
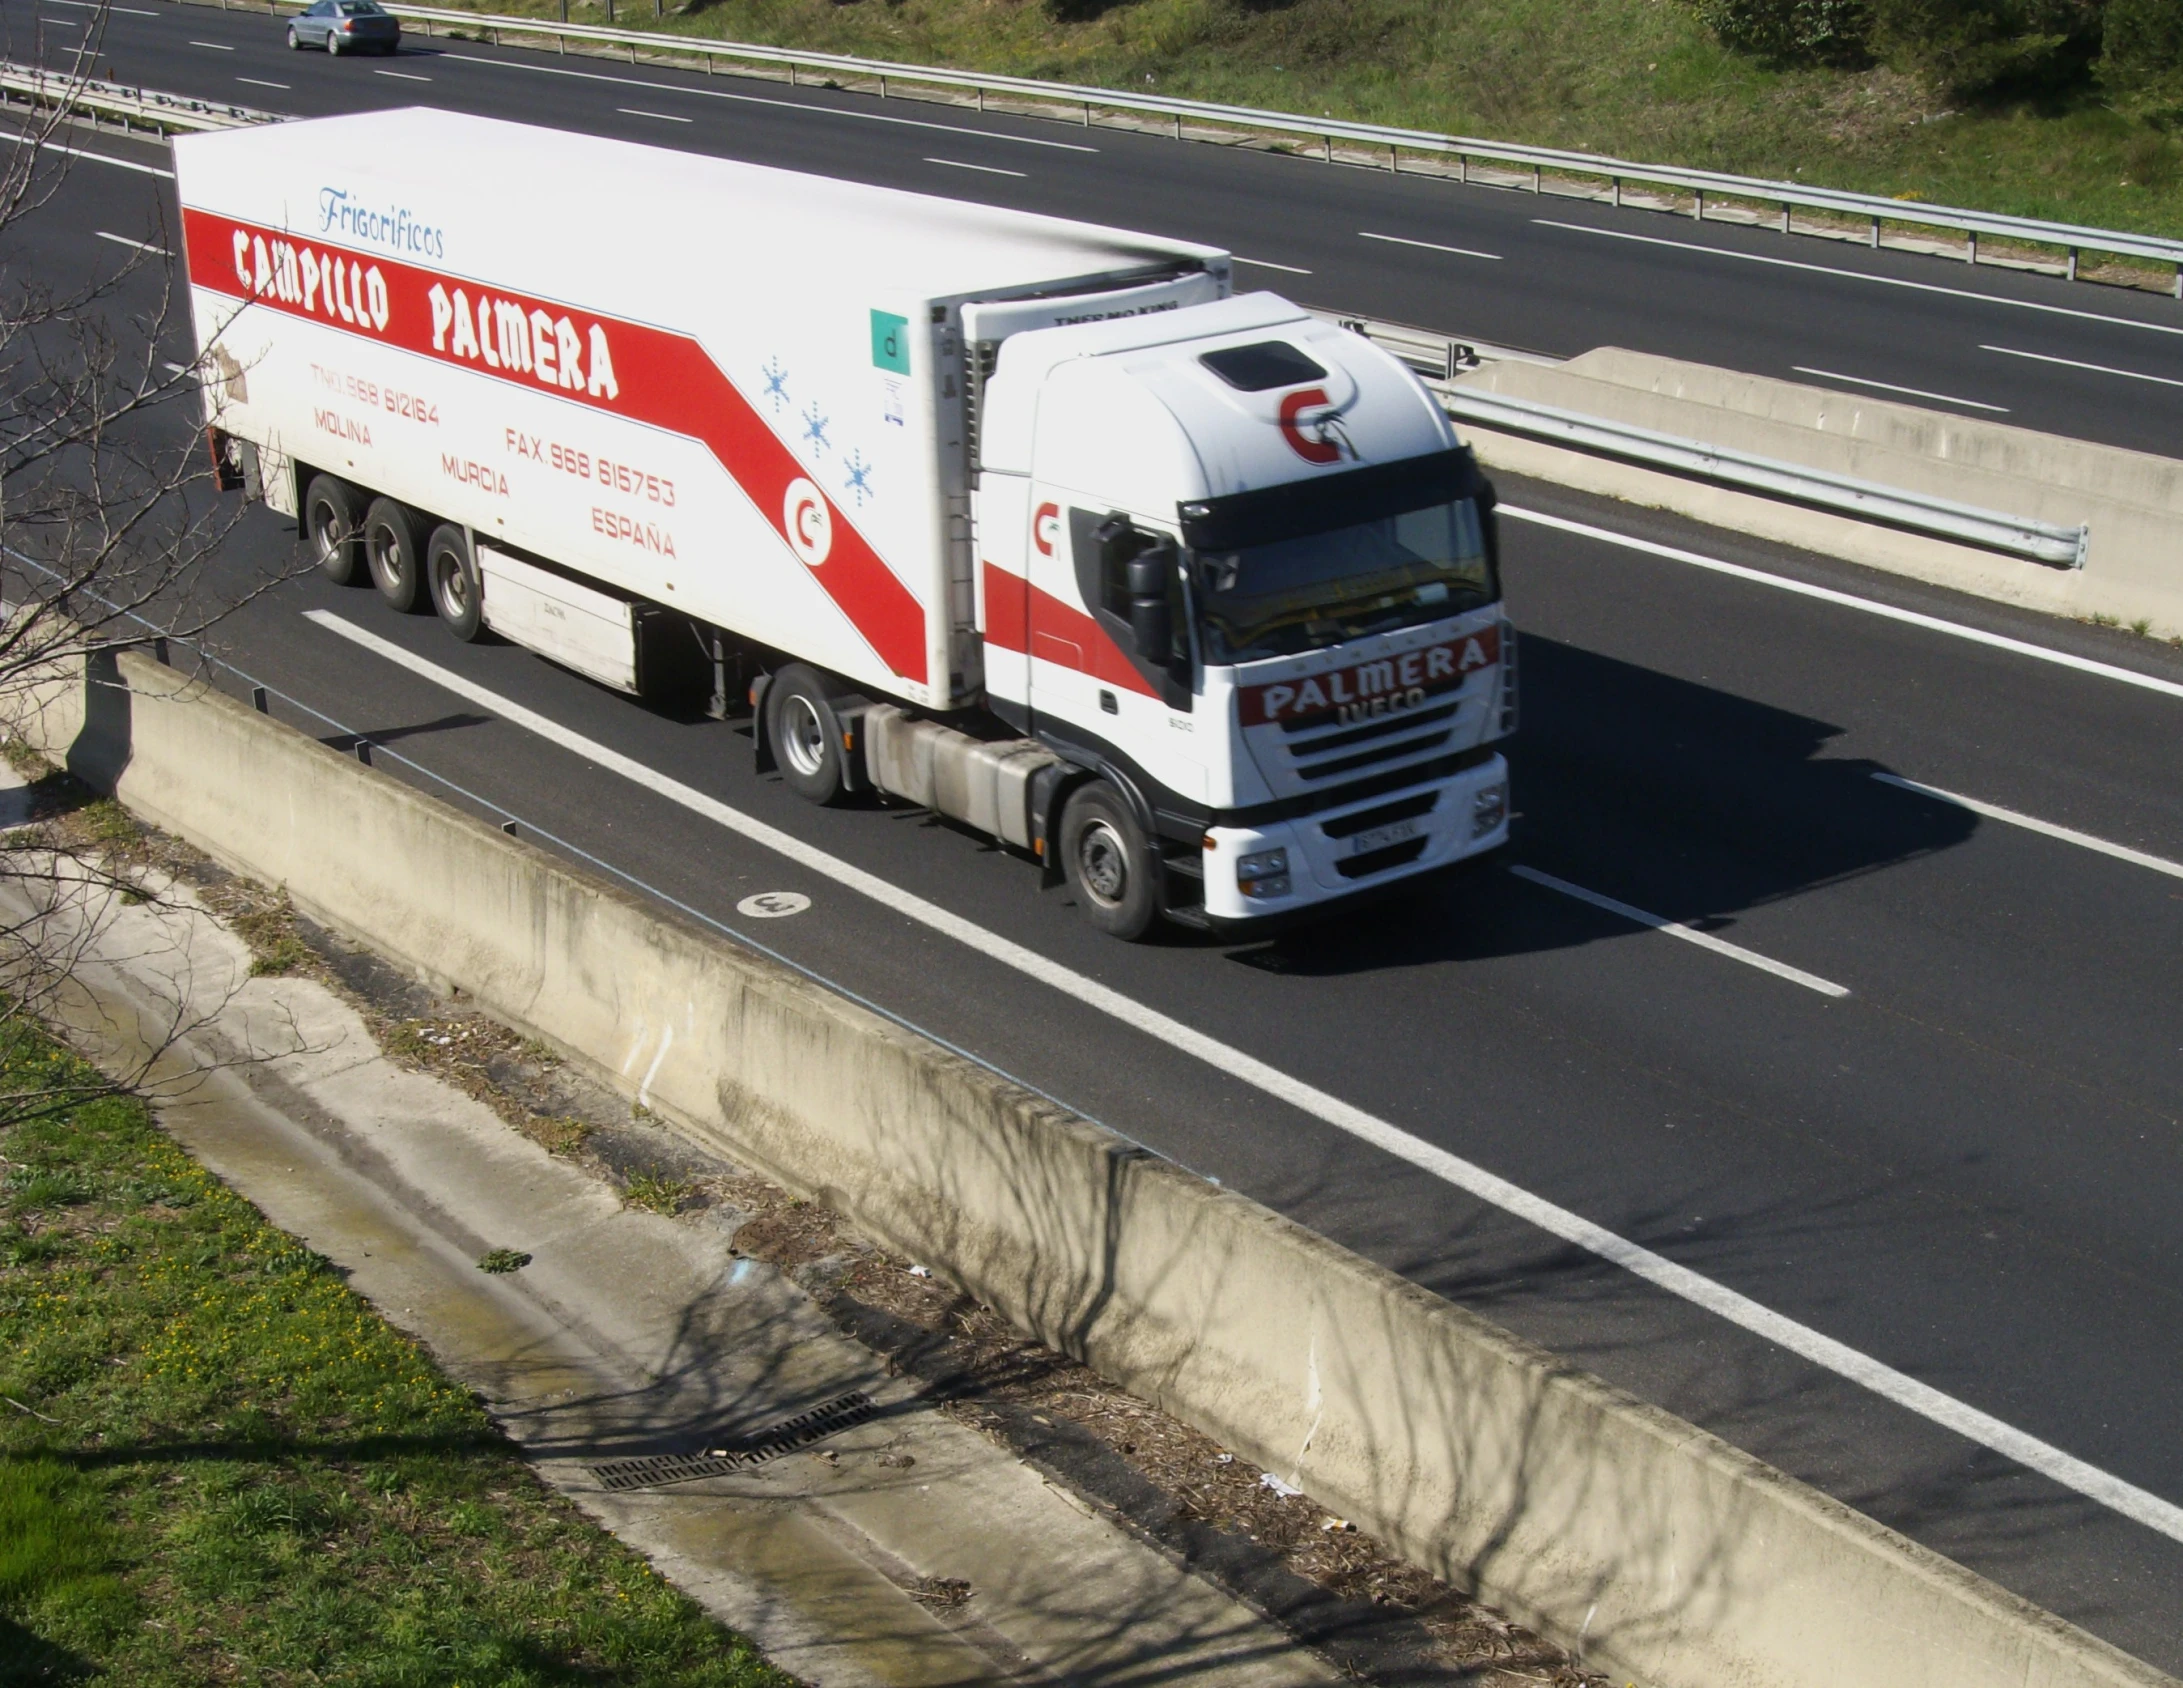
column 345, row 26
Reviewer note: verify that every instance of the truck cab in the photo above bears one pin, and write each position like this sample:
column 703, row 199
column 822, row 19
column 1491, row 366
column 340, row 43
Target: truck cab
column 1234, row 563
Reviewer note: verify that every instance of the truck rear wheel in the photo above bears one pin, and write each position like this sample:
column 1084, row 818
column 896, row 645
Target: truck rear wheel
column 805, row 734
column 332, row 514
column 1109, row 862
column 392, row 547
column 456, row 589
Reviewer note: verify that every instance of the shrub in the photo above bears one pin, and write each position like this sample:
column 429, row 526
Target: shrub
column 1965, row 48
column 1791, row 31
column 2141, row 56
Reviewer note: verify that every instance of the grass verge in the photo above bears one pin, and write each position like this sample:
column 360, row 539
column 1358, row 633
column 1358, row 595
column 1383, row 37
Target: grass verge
column 217, row 1464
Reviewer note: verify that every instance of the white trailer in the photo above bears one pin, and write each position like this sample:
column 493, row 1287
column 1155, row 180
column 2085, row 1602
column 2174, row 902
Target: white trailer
column 1190, row 596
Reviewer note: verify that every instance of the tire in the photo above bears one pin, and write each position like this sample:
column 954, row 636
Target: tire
column 1109, row 862
column 295, row 42
column 457, row 591
column 333, row 513
column 393, row 549
column 333, row 45
column 806, row 735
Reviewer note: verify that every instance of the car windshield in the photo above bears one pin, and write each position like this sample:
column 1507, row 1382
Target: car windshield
column 1289, row 595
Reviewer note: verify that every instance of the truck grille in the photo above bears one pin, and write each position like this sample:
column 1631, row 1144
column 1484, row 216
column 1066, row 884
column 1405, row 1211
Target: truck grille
column 1318, row 753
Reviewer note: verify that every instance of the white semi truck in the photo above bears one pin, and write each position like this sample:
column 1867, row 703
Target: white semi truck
column 1190, row 596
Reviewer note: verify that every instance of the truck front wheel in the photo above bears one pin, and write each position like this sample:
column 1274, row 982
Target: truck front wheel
column 332, row 513
column 392, row 546
column 805, row 734
column 1109, row 862
column 455, row 586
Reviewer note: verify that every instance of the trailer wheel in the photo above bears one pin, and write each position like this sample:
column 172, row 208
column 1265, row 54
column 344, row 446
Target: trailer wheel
column 332, row 515
column 392, row 547
column 1109, row 862
column 457, row 592
column 805, row 734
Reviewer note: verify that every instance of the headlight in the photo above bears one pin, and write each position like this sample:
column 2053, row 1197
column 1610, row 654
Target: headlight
column 1264, row 873
column 1488, row 809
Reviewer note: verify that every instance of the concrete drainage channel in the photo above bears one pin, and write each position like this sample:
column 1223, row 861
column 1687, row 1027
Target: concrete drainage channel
column 1579, row 1511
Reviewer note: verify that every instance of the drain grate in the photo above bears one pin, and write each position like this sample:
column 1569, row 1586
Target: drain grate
column 783, row 1438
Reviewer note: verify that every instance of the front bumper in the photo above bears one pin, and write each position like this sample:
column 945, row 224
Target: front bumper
column 1340, row 853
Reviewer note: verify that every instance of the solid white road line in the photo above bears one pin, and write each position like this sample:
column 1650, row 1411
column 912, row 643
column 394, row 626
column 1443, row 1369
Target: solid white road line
column 2072, row 363
column 214, row 46
column 1866, row 606
column 1428, row 245
column 1820, row 1350
column 1689, row 934
column 1268, row 264
column 1890, row 387
column 661, row 116
column 402, row 75
column 98, row 6
column 805, row 106
column 95, row 157
column 260, row 82
column 2032, row 823
column 141, row 246
column 983, row 169
column 1860, row 275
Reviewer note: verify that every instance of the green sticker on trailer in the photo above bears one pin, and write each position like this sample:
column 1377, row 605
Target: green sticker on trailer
column 890, row 342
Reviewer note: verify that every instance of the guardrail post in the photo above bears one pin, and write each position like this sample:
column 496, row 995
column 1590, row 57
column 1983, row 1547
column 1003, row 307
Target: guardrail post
column 1614, row 194
column 1087, row 114
column 1785, row 216
column 1394, row 159
column 1326, row 145
column 2072, row 263
column 883, row 90
column 792, row 79
column 1535, row 179
column 1876, row 234
column 1700, row 212
column 1462, row 168
column 2179, row 281
column 1178, row 115
column 1970, row 249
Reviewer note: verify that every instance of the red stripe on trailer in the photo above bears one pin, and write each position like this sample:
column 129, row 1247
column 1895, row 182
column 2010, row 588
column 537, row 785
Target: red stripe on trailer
column 626, row 369
column 1016, row 612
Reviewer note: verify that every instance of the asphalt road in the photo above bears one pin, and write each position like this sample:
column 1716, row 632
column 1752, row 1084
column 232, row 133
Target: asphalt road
column 1550, row 274
column 1965, row 1169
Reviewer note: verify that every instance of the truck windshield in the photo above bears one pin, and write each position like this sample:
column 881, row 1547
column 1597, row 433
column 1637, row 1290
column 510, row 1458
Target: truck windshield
column 1289, row 595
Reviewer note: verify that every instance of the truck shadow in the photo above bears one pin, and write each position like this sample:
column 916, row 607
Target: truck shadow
column 1680, row 798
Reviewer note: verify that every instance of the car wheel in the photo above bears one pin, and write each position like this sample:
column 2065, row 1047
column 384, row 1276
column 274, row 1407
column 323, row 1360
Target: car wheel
column 456, row 588
column 332, row 514
column 295, row 41
column 1109, row 862
column 392, row 549
column 333, row 45
column 806, row 735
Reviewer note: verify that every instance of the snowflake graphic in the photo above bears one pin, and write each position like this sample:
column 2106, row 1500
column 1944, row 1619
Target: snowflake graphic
column 814, row 430
column 776, row 383
column 860, row 478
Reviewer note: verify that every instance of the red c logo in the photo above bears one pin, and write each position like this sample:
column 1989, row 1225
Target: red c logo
column 1044, row 527
column 1319, row 450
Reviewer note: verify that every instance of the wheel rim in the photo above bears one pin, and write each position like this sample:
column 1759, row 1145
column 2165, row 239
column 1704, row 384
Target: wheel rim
column 1102, row 861
column 455, row 589
column 326, row 535
column 803, row 736
column 386, row 556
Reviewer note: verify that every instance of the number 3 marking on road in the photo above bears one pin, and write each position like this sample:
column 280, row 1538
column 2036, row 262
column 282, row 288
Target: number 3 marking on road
column 772, row 905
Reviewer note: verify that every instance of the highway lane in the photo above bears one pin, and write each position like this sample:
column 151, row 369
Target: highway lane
column 1965, row 1168
column 1558, row 275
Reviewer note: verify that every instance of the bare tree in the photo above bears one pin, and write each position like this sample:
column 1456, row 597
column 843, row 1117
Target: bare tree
column 110, row 530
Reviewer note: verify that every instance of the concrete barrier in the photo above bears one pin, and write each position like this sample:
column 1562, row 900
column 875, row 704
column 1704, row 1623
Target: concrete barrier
column 1657, row 1550
column 2131, row 500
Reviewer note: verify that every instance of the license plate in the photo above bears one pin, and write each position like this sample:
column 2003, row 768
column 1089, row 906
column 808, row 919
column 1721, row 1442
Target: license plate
column 1379, row 837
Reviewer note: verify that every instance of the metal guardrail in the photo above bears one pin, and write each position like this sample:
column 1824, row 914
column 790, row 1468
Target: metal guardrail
column 1868, row 501
column 131, row 107
column 1788, row 197
column 1440, row 360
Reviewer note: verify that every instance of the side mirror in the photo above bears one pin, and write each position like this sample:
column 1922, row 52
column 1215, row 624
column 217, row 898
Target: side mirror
column 1151, row 614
